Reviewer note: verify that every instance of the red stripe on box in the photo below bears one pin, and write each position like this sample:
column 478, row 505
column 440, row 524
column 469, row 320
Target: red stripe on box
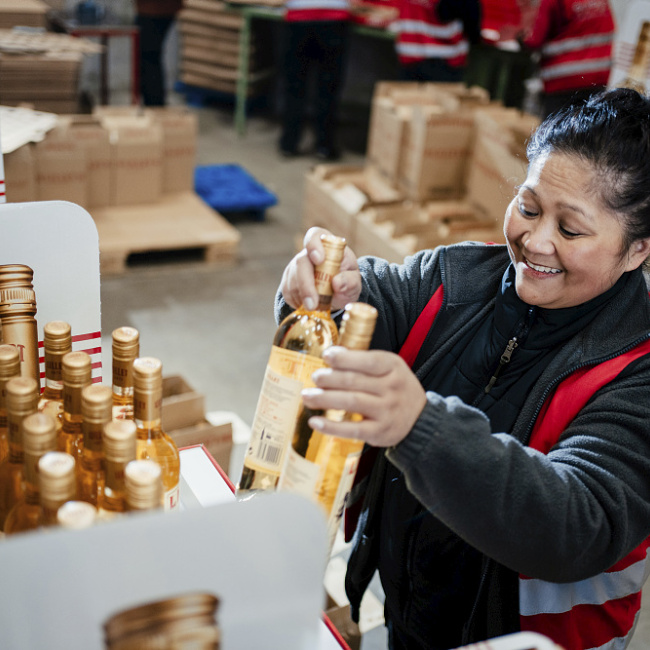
column 335, row 633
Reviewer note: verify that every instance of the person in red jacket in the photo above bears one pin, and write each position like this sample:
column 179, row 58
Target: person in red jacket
column 316, row 40
column 433, row 38
column 575, row 39
column 154, row 18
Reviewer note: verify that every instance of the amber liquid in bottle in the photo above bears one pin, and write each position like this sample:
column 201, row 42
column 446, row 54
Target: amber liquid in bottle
column 97, row 410
column 39, row 437
column 637, row 74
column 22, row 400
column 57, row 342
column 18, row 314
column 297, row 351
column 143, row 480
column 126, row 349
column 9, row 368
column 322, row 467
column 77, row 374
column 152, row 442
column 119, row 451
column 57, row 482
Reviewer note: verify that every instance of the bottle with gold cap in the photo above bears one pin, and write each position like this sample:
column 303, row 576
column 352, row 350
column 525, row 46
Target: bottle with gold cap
column 76, row 515
column 187, row 621
column 126, row 349
column 57, row 482
column 119, row 450
column 152, row 442
column 297, row 350
column 323, row 467
column 96, row 411
column 9, row 367
column 637, row 74
column 76, row 371
column 18, row 315
column 22, row 400
column 143, row 481
column 39, row 437
column 57, row 342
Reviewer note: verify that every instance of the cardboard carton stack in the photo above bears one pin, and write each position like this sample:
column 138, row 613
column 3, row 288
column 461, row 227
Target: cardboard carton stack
column 448, row 161
column 210, row 48
column 42, row 69
column 23, row 13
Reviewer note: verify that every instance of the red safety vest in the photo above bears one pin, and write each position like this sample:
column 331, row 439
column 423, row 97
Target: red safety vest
column 575, row 38
column 598, row 613
column 307, row 10
column 420, row 35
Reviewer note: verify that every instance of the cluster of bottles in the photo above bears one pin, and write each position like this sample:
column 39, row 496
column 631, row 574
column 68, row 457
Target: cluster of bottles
column 78, row 450
column 284, row 453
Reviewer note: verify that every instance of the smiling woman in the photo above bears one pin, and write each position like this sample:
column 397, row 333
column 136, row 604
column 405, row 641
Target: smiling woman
column 510, row 486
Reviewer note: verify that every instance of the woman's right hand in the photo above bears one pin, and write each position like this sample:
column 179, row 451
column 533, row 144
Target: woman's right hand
column 297, row 283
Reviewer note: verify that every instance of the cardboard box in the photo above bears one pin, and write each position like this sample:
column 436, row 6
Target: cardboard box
column 20, row 175
column 339, row 615
column 136, row 159
column 217, row 439
column 182, row 406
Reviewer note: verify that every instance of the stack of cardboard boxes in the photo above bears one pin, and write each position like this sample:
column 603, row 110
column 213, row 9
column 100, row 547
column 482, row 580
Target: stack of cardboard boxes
column 23, row 13
column 442, row 164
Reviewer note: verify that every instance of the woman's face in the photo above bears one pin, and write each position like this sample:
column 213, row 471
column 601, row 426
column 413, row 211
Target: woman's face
column 565, row 244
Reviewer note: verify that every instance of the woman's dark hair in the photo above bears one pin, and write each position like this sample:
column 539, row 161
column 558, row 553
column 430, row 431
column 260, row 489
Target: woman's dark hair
column 611, row 131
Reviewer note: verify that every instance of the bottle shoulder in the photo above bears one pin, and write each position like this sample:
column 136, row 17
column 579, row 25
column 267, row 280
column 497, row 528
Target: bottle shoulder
column 307, row 332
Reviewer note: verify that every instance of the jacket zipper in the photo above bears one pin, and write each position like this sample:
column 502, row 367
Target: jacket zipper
column 504, row 360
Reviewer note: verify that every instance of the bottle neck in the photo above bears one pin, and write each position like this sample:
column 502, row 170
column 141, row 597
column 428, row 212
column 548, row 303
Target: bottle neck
column 147, row 408
column 93, row 432
column 72, row 400
column 115, row 475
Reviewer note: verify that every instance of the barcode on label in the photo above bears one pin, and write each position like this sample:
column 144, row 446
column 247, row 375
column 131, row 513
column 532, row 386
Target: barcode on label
column 271, row 453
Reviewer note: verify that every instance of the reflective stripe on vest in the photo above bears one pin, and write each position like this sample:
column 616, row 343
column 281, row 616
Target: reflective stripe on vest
column 449, row 31
column 431, row 50
column 574, row 68
column 598, row 613
column 324, row 5
column 577, row 43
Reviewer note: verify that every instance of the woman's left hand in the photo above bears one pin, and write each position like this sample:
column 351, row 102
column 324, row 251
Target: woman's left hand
column 376, row 384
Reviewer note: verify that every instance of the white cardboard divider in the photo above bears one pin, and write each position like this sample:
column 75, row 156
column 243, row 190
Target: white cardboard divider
column 59, row 241
column 264, row 560
column 627, row 34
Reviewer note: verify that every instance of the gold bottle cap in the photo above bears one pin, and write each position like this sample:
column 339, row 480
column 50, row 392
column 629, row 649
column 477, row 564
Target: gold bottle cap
column 56, row 478
column 76, row 369
column 120, row 441
column 143, row 484
column 147, row 373
column 39, row 433
column 357, row 326
column 96, row 403
column 16, row 288
column 126, row 343
column 334, row 247
column 57, row 337
column 9, row 362
column 22, row 395
column 76, row 515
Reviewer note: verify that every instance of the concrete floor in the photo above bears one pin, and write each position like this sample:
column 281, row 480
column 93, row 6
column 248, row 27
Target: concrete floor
column 214, row 326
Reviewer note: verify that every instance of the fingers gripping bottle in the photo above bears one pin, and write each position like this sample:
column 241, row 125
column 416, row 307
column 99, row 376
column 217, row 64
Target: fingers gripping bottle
column 297, row 350
column 322, row 467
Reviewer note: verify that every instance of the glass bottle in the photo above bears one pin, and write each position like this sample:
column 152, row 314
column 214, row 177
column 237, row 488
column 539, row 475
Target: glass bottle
column 143, row 481
column 57, row 342
column 297, row 350
column 96, row 411
column 76, row 371
column 126, row 349
column 57, row 482
column 18, row 315
column 22, row 400
column 152, row 442
column 76, row 515
column 322, row 467
column 637, row 73
column 119, row 450
column 39, row 437
column 9, row 367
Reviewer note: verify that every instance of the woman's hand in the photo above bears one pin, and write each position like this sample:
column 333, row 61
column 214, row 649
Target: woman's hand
column 297, row 285
column 376, row 384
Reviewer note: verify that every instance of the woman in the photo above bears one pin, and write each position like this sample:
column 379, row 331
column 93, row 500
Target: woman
column 512, row 487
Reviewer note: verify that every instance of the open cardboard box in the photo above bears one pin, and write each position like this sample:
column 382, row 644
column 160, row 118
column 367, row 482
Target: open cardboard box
column 182, row 406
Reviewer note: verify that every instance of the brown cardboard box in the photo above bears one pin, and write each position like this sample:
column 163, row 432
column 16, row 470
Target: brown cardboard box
column 20, row 175
column 180, row 131
column 339, row 615
column 136, row 159
column 61, row 169
column 182, row 406
column 88, row 131
column 217, row 439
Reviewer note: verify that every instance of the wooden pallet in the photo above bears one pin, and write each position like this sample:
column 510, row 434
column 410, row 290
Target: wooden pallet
column 179, row 221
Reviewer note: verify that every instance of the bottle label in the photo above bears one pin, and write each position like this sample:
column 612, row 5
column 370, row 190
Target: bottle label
column 299, row 475
column 342, row 495
column 172, row 500
column 287, row 373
